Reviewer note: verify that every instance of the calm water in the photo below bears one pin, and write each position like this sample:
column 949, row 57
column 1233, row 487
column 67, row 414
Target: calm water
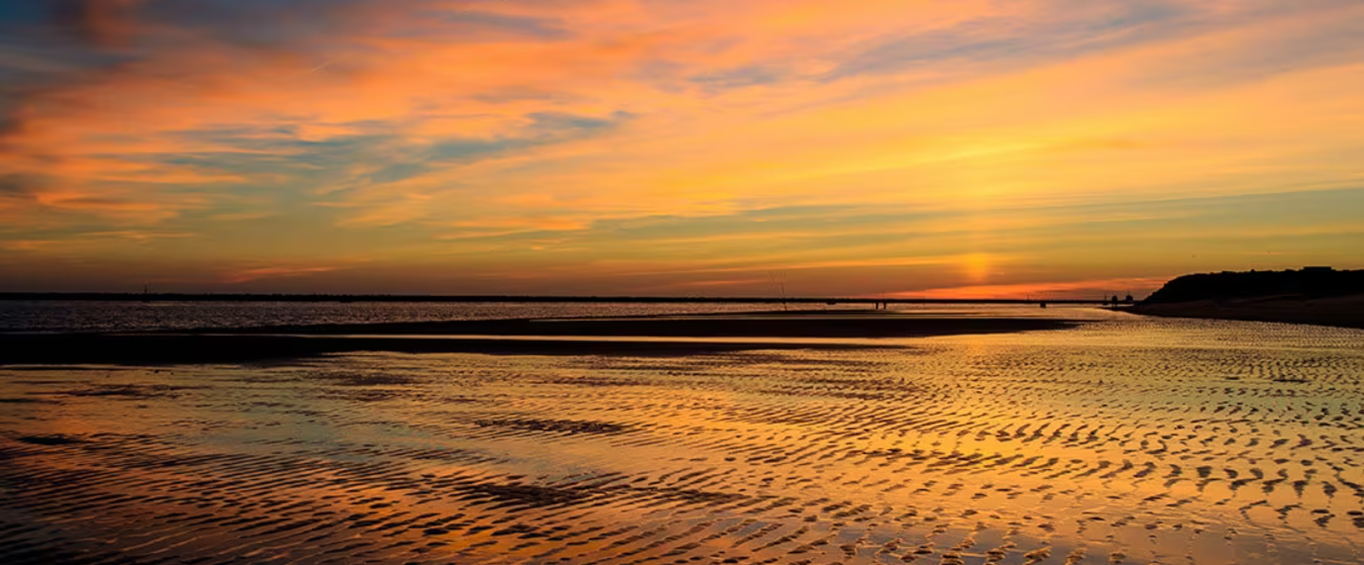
column 127, row 316
column 1128, row 440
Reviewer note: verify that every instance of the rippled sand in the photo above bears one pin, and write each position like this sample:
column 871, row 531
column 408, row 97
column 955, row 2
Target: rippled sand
column 1128, row 440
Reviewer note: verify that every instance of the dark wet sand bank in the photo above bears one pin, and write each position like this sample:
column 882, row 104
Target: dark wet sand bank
column 191, row 349
column 260, row 344
column 818, row 324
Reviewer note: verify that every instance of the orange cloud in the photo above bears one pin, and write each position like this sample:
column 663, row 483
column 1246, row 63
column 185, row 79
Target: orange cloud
column 106, row 22
column 260, row 273
column 428, row 129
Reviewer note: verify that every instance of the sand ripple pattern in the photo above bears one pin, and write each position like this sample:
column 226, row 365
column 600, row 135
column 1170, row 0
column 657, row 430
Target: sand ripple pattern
column 1128, row 441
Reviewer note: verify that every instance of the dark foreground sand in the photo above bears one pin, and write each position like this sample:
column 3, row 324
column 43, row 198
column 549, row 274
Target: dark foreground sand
column 781, row 331
column 1341, row 311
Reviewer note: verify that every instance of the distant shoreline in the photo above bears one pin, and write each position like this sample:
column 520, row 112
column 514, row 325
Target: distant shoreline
column 1319, row 296
column 228, row 297
column 1340, row 312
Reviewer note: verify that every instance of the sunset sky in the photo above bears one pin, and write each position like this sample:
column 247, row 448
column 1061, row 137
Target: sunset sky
column 676, row 147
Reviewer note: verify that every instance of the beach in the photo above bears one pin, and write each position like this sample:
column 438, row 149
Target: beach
column 1074, row 436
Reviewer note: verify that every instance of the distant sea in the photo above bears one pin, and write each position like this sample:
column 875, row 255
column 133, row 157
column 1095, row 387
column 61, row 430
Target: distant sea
column 105, row 316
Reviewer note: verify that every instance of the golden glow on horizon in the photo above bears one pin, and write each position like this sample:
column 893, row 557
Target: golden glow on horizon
column 626, row 147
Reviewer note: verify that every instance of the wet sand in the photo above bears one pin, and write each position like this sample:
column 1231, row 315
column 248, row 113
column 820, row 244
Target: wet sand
column 1124, row 440
column 213, row 349
column 780, row 324
column 288, row 342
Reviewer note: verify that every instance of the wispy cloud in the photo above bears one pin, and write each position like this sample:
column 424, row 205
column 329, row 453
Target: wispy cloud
column 250, row 275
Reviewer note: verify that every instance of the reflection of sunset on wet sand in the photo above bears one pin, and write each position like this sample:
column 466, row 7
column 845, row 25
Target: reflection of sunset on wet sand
column 1125, row 440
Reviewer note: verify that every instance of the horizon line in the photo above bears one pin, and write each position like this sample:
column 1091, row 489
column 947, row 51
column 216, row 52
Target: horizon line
column 328, row 297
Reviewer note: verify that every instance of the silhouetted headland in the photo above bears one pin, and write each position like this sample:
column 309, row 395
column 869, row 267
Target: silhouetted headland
column 1312, row 295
